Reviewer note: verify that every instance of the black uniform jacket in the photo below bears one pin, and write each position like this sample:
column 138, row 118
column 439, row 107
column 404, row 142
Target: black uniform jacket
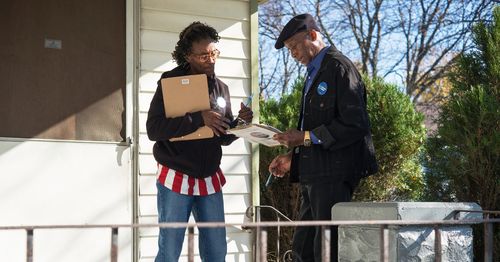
column 335, row 111
column 196, row 158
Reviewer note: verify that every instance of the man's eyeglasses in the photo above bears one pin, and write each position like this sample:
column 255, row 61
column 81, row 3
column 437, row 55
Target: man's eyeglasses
column 205, row 57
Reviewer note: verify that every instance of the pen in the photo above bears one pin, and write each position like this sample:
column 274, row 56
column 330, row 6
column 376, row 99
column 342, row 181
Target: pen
column 269, row 180
column 249, row 100
column 246, row 104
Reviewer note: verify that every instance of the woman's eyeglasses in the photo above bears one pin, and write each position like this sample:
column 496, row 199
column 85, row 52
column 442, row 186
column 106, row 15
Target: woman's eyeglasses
column 205, row 57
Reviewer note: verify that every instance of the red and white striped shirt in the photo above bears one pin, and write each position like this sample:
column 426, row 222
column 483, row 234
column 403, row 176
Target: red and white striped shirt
column 186, row 185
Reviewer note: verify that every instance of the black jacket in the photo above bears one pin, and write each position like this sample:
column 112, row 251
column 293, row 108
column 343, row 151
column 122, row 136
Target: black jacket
column 338, row 117
column 196, row 158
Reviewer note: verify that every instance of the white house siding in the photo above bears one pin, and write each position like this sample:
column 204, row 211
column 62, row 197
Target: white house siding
column 160, row 24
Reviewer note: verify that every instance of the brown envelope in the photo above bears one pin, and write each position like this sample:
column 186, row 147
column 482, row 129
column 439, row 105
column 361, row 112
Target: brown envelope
column 185, row 94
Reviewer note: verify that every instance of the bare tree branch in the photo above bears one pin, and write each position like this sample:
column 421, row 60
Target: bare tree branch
column 416, row 40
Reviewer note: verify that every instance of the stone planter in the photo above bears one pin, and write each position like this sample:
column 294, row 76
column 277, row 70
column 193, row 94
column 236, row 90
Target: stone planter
column 406, row 243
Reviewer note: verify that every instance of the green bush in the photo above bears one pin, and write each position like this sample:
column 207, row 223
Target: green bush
column 463, row 156
column 398, row 135
column 462, row 163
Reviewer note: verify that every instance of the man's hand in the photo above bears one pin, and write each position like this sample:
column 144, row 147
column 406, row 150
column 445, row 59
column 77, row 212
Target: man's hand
column 290, row 138
column 281, row 165
column 245, row 113
column 215, row 121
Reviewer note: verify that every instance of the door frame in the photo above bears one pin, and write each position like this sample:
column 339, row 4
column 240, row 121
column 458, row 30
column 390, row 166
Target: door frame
column 132, row 19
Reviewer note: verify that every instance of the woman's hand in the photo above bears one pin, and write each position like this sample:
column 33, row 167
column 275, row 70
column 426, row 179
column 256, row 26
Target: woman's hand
column 215, row 121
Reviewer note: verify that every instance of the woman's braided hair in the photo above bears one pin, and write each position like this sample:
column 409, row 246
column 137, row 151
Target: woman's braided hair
column 195, row 32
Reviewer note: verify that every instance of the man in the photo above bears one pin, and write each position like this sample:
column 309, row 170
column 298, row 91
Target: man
column 332, row 146
column 189, row 177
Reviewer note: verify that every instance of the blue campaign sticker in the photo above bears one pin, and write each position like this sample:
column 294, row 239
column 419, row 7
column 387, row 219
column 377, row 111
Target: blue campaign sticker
column 322, row 88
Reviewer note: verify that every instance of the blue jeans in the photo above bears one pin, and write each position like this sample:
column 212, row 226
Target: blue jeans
column 174, row 207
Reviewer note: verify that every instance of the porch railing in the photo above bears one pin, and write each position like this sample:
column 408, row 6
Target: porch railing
column 261, row 228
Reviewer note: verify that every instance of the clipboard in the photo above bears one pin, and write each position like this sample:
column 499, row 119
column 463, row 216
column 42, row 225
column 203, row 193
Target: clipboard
column 185, row 94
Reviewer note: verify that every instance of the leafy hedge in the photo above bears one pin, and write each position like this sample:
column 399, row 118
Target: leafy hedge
column 398, row 136
column 463, row 156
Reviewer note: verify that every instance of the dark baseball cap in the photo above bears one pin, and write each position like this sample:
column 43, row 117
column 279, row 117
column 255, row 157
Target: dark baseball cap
column 297, row 24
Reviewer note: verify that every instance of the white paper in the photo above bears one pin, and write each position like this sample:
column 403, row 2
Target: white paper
column 257, row 133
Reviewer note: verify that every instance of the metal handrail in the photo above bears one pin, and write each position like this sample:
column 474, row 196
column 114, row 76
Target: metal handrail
column 249, row 213
column 262, row 224
column 384, row 247
column 486, row 213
